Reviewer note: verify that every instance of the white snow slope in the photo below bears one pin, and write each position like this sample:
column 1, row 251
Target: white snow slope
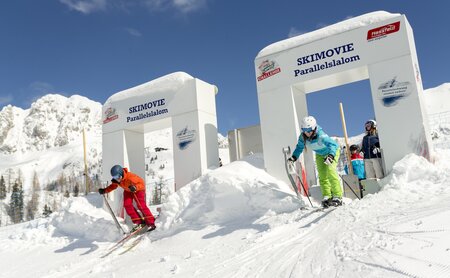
column 238, row 221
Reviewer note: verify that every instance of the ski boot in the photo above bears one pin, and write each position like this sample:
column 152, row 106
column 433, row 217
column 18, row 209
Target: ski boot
column 326, row 202
column 151, row 227
column 336, row 201
column 137, row 227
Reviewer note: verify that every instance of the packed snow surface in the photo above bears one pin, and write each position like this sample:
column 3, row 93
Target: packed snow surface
column 237, row 221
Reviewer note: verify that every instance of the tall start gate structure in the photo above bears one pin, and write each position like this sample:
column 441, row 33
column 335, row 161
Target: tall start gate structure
column 378, row 46
column 176, row 100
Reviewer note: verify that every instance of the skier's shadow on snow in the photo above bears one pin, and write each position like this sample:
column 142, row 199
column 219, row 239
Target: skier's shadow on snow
column 79, row 244
column 228, row 229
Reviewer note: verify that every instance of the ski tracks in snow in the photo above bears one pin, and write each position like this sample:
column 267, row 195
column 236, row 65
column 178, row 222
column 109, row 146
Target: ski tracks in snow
column 313, row 245
column 280, row 252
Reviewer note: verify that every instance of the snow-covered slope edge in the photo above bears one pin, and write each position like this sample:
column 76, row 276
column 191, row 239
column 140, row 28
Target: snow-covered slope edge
column 238, row 222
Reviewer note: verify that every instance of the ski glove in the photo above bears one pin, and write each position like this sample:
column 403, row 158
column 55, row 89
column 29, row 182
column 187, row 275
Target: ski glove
column 328, row 159
column 292, row 159
column 101, row 191
column 132, row 188
column 376, row 151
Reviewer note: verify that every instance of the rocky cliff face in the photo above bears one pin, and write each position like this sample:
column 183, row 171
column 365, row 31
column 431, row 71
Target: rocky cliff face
column 52, row 121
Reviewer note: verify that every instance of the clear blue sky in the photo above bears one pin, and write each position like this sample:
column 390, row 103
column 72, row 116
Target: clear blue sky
column 96, row 48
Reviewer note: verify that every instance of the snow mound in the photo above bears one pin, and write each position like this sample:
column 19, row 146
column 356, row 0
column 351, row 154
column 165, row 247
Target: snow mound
column 80, row 218
column 233, row 193
column 413, row 179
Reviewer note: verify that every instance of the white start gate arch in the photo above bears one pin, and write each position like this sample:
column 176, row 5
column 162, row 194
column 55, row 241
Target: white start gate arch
column 378, row 46
column 177, row 100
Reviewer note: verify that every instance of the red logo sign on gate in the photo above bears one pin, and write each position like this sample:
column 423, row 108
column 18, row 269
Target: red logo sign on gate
column 383, row 30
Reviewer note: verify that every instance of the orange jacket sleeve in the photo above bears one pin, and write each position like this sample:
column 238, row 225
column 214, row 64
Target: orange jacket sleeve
column 111, row 187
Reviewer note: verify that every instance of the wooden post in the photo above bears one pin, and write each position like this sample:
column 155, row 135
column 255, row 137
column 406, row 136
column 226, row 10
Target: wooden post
column 86, row 177
column 347, row 149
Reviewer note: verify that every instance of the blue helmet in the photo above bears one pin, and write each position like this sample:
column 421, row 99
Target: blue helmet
column 116, row 172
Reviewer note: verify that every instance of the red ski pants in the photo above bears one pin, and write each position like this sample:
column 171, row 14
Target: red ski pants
column 139, row 198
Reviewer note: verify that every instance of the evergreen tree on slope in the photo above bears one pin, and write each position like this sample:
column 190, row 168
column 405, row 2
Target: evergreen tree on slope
column 16, row 203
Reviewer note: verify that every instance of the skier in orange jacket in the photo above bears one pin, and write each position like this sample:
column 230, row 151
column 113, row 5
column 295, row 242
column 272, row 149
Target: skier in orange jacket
column 133, row 189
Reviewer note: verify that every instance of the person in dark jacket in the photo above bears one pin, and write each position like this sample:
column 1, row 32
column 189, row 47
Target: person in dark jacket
column 371, row 150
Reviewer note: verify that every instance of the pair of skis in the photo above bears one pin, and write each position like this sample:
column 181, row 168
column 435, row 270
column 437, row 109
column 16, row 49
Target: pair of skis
column 122, row 242
column 291, row 171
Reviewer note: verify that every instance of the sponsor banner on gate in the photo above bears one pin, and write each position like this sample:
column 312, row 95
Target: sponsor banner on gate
column 383, row 31
column 267, row 69
column 288, row 64
column 110, row 115
column 392, row 91
column 186, row 137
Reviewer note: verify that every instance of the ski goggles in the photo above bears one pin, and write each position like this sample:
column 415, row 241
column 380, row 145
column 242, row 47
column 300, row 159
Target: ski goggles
column 368, row 125
column 116, row 177
column 307, row 129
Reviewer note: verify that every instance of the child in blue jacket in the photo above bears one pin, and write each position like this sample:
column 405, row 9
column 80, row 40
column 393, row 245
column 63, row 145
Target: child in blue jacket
column 357, row 162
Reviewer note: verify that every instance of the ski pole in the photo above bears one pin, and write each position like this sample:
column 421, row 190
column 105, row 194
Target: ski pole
column 139, row 205
column 113, row 215
column 350, row 188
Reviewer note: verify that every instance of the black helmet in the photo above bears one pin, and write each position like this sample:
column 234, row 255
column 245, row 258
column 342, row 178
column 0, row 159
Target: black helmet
column 116, row 171
column 354, row 148
column 370, row 124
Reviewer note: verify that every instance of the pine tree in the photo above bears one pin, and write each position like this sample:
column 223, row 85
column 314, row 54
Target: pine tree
column 29, row 211
column 21, row 204
column 11, row 174
column 52, row 186
column 2, row 188
column 32, row 206
column 76, row 190
column 16, row 203
column 165, row 192
column 62, row 182
column 55, row 203
column 96, row 183
column 155, row 197
column 158, row 191
column 47, row 211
